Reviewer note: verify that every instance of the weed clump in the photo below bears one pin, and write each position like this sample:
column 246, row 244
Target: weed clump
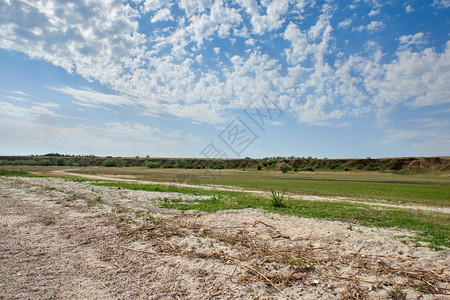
column 277, row 198
column 95, row 201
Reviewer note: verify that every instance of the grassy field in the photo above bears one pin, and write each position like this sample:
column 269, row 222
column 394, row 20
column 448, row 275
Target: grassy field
column 431, row 189
column 425, row 189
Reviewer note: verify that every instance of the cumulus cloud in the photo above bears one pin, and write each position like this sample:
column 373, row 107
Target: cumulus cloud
column 166, row 71
column 416, row 78
column 162, row 15
column 372, row 26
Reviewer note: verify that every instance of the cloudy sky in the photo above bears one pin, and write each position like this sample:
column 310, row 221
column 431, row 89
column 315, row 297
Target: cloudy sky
column 200, row 78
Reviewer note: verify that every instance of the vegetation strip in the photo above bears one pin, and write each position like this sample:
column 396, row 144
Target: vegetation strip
column 432, row 228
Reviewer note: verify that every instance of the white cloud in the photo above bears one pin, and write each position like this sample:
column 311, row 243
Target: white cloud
column 129, row 131
column 250, row 42
column 273, row 19
column 374, row 12
column 162, row 15
column 345, row 24
column 375, row 25
column 418, row 78
column 20, row 93
column 159, row 72
column 412, row 39
column 152, row 5
column 111, row 138
column 409, row 8
column 441, row 3
column 32, row 112
column 430, row 141
column 92, row 98
column 372, row 26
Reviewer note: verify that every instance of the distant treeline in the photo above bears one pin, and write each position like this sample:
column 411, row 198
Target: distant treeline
column 409, row 164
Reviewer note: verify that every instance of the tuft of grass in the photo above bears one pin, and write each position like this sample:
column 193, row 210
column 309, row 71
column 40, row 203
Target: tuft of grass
column 300, row 264
column 96, row 201
column 277, row 198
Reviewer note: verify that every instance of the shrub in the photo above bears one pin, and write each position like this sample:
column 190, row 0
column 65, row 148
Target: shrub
column 335, row 166
column 110, row 162
column 375, row 167
column 218, row 165
column 59, row 162
column 259, row 167
column 277, row 198
column 272, row 161
column 180, row 163
column 44, row 162
column 284, row 167
column 152, row 164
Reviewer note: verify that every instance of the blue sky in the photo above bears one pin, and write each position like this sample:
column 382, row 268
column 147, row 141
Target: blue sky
column 334, row 79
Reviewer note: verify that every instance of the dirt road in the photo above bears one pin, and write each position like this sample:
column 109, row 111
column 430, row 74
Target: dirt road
column 64, row 239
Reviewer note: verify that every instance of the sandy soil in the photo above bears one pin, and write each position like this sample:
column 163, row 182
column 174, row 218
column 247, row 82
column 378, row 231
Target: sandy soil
column 64, row 239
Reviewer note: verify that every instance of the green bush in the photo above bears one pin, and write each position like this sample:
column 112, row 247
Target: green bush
column 44, row 162
column 284, row 167
column 180, row 163
column 272, row 161
column 218, row 165
column 110, row 162
column 259, row 167
column 152, row 164
column 375, row 167
column 335, row 166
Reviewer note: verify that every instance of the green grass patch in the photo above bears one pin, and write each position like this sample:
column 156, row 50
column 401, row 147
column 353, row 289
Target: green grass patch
column 214, row 204
column 4, row 172
column 75, row 179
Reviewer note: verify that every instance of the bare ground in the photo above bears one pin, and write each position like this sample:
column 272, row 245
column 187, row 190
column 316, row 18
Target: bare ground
column 63, row 239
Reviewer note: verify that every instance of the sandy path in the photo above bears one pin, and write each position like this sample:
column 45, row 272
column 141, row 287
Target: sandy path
column 62, row 239
column 372, row 202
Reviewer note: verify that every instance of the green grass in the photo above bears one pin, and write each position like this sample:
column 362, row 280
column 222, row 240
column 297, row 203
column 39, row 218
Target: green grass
column 425, row 194
column 425, row 188
column 4, row 172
